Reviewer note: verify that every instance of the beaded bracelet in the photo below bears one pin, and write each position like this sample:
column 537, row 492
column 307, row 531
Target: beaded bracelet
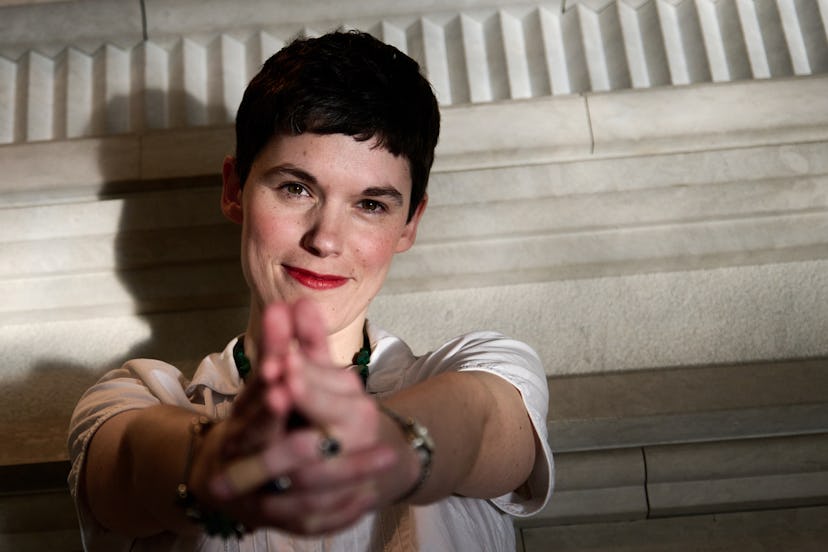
column 420, row 442
column 214, row 522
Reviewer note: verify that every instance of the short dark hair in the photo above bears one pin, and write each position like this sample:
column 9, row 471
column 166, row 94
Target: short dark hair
column 342, row 83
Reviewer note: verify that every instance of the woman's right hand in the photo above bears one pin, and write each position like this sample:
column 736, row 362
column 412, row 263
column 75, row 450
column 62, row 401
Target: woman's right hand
column 295, row 379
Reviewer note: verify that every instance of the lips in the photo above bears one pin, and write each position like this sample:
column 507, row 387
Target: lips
column 313, row 280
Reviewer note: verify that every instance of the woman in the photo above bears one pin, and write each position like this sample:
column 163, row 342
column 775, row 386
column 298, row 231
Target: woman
column 315, row 430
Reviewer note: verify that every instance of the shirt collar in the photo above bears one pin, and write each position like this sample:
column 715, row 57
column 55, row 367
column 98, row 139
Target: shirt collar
column 390, row 356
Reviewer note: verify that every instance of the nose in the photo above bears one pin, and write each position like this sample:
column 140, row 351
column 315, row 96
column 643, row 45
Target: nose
column 324, row 237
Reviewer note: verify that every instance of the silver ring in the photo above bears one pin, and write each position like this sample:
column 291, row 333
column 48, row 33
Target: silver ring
column 329, row 446
column 278, row 485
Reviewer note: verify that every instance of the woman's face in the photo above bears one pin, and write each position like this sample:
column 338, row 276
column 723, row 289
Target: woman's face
column 322, row 216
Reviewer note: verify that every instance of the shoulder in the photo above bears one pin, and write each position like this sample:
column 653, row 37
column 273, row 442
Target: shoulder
column 137, row 382
column 512, row 360
column 143, row 382
column 509, row 358
column 484, row 350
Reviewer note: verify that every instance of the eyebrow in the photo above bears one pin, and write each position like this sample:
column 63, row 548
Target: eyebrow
column 293, row 171
column 387, row 192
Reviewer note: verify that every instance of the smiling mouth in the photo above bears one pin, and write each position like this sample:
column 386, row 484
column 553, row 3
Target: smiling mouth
column 313, row 280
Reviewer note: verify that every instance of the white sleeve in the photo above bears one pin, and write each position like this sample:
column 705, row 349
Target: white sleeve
column 137, row 384
column 517, row 363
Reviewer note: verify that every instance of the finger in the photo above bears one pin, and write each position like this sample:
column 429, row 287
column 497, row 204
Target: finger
column 253, row 385
column 311, row 331
column 324, row 377
column 277, row 336
column 291, row 452
column 351, row 417
column 240, row 477
column 243, row 431
column 342, row 516
column 361, row 466
column 317, row 511
column 251, row 396
column 252, row 434
column 258, row 415
column 308, row 383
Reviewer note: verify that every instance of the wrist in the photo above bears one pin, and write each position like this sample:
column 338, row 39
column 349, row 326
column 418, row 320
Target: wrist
column 420, row 447
column 211, row 520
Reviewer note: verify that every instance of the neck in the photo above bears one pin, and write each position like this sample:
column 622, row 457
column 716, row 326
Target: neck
column 342, row 344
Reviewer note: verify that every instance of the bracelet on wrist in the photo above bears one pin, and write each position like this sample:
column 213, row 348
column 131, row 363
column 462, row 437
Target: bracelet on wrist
column 420, row 441
column 214, row 522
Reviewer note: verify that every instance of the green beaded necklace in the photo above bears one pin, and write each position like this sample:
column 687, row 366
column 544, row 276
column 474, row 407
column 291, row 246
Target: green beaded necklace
column 361, row 359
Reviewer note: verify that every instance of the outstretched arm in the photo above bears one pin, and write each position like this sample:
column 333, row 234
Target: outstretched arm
column 484, row 444
column 484, row 440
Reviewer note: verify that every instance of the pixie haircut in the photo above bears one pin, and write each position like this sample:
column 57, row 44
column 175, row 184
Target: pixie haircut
column 342, row 83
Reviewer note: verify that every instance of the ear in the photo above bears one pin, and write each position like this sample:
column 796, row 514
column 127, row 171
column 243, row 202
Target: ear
column 231, row 191
column 409, row 233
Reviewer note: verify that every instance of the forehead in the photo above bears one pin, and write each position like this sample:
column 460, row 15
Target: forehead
column 334, row 158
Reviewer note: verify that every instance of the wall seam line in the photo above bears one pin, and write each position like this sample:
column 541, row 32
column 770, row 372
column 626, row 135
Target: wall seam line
column 144, row 20
column 589, row 125
column 646, row 482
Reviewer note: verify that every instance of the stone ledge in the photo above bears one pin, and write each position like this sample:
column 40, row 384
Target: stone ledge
column 691, row 478
column 600, row 484
column 693, row 404
column 614, row 125
column 635, row 122
column 737, row 475
column 590, row 434
column 688, row 441
column 791, row 530
column 714, row 317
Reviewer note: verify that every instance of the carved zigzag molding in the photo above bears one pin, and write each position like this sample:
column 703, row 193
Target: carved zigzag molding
column 473, row 56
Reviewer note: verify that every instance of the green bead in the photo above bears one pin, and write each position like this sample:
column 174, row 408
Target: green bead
column 241, row 360
column 363, row 357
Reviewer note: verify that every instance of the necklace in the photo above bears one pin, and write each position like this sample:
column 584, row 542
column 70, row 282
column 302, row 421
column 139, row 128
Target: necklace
column 360, row 361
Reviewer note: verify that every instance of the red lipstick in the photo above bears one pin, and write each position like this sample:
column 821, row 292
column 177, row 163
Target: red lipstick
column 315, row 281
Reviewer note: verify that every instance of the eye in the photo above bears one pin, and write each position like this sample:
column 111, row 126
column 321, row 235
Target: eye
column 294, row 189
column 372, row 206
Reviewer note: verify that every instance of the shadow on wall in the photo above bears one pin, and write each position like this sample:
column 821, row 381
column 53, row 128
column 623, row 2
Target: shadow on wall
column 177, row 258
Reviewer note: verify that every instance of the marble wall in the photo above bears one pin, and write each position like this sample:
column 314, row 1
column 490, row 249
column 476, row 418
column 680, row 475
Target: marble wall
column 638, row 188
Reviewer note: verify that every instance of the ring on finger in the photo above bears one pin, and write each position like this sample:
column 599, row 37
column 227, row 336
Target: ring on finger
column 278, row 485
column 329, row 446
